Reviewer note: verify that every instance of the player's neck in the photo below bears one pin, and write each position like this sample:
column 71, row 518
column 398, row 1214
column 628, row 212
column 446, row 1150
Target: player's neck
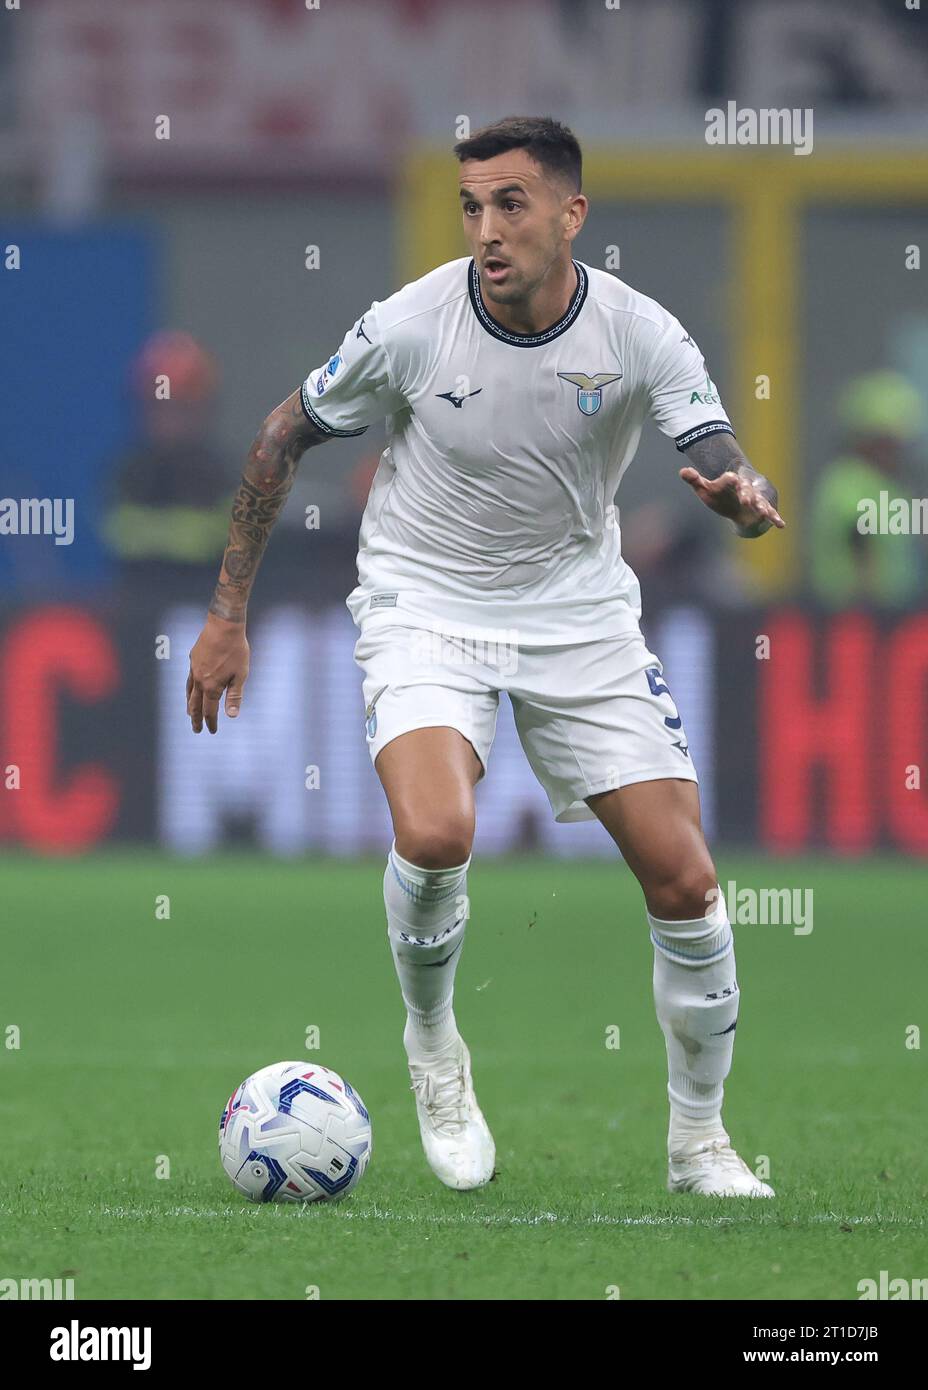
column 544, row 307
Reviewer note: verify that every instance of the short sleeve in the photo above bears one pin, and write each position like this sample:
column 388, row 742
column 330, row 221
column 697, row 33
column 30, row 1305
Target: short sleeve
column 355, row 387
column 685, row 402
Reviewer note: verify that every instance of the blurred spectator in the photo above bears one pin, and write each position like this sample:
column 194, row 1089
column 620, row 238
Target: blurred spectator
column 677, row 556
column 880, row 415
column 168, row 515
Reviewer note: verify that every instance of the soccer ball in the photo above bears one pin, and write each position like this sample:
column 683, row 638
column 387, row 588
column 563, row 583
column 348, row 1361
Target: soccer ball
column 295, row 1132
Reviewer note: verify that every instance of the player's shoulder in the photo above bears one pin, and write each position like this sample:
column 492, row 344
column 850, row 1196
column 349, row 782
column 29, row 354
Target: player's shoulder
column 422, row 299
column 637, row 313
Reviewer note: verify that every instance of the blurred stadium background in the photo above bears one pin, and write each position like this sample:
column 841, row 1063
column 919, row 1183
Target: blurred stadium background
column 307, row 172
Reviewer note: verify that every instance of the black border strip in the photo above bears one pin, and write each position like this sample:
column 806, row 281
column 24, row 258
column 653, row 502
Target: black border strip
column 527, row 339
column 683, row 441
column 314, row 419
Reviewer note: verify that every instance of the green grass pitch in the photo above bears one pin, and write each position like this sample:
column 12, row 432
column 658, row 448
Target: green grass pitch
column 135, row 1030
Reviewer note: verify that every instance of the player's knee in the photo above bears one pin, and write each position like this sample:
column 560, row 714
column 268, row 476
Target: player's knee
column 684, row 895
column 436, row 846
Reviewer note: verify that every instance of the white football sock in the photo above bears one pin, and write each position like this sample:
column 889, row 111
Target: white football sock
column 696, row 996
column 426, row 919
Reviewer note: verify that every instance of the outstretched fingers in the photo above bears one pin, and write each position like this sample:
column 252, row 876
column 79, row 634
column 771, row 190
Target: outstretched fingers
column 195, row 703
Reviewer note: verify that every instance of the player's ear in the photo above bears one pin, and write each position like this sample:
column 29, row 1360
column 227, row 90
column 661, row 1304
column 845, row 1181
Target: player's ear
column 577, row 209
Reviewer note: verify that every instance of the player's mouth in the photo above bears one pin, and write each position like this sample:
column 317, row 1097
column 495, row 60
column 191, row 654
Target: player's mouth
column 495, row 269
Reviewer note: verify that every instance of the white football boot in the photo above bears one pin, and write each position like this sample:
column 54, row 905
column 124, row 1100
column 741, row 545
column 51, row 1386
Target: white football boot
column 714, row 1169
column 455, row 1136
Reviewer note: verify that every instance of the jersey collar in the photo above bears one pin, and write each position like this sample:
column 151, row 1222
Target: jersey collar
column 527, row 339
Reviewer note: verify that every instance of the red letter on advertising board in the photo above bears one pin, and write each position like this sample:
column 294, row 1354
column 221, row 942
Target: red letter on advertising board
column 803, row 734
column 49, row 650
column 905, row 690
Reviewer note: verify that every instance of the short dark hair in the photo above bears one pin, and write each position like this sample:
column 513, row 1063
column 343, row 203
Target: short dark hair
column 550, row 144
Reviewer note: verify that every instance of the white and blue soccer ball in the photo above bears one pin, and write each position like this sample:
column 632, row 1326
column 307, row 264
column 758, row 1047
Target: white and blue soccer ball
column 295, row 1132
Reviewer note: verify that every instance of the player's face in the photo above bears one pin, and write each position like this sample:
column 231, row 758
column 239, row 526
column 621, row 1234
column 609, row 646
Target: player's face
column 519, row 223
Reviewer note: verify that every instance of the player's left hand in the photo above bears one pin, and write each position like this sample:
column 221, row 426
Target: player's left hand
column 737, row 498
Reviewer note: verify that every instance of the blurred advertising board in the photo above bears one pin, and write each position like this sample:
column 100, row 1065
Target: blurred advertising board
column 808, row 732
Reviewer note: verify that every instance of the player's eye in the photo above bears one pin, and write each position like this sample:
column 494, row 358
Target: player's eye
column 467, row 208
column 510, row 203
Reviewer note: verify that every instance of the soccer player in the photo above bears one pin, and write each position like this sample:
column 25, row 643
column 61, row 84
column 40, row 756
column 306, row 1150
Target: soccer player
column 515, row 383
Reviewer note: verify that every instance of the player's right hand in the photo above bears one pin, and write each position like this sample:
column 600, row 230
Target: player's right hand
column 219, row 662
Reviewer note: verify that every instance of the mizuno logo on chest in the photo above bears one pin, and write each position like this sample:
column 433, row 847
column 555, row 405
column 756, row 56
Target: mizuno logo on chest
column 457, row 401
column 590, row 388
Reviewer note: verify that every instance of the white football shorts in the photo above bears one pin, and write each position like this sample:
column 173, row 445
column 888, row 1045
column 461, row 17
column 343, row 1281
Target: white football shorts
column 590, row 717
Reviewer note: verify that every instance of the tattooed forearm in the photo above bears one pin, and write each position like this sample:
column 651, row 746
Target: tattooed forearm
column 721, row 453
column 266, row 482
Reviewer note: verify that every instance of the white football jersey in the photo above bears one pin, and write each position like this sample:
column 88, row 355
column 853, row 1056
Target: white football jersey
column 492, row 509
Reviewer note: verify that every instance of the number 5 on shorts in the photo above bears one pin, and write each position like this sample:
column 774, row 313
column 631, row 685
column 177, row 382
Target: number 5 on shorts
column 659, row 688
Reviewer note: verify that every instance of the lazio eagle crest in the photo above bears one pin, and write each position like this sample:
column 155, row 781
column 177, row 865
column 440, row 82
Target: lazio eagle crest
column 590, row 388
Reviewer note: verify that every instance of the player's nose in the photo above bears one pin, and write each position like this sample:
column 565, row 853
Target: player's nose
column 489, row 230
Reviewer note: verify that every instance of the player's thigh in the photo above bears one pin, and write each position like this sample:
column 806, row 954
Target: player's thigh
column 657, row 827
column 596, row 716
column 429, row 776
column 430, row 723
column 604, row 736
